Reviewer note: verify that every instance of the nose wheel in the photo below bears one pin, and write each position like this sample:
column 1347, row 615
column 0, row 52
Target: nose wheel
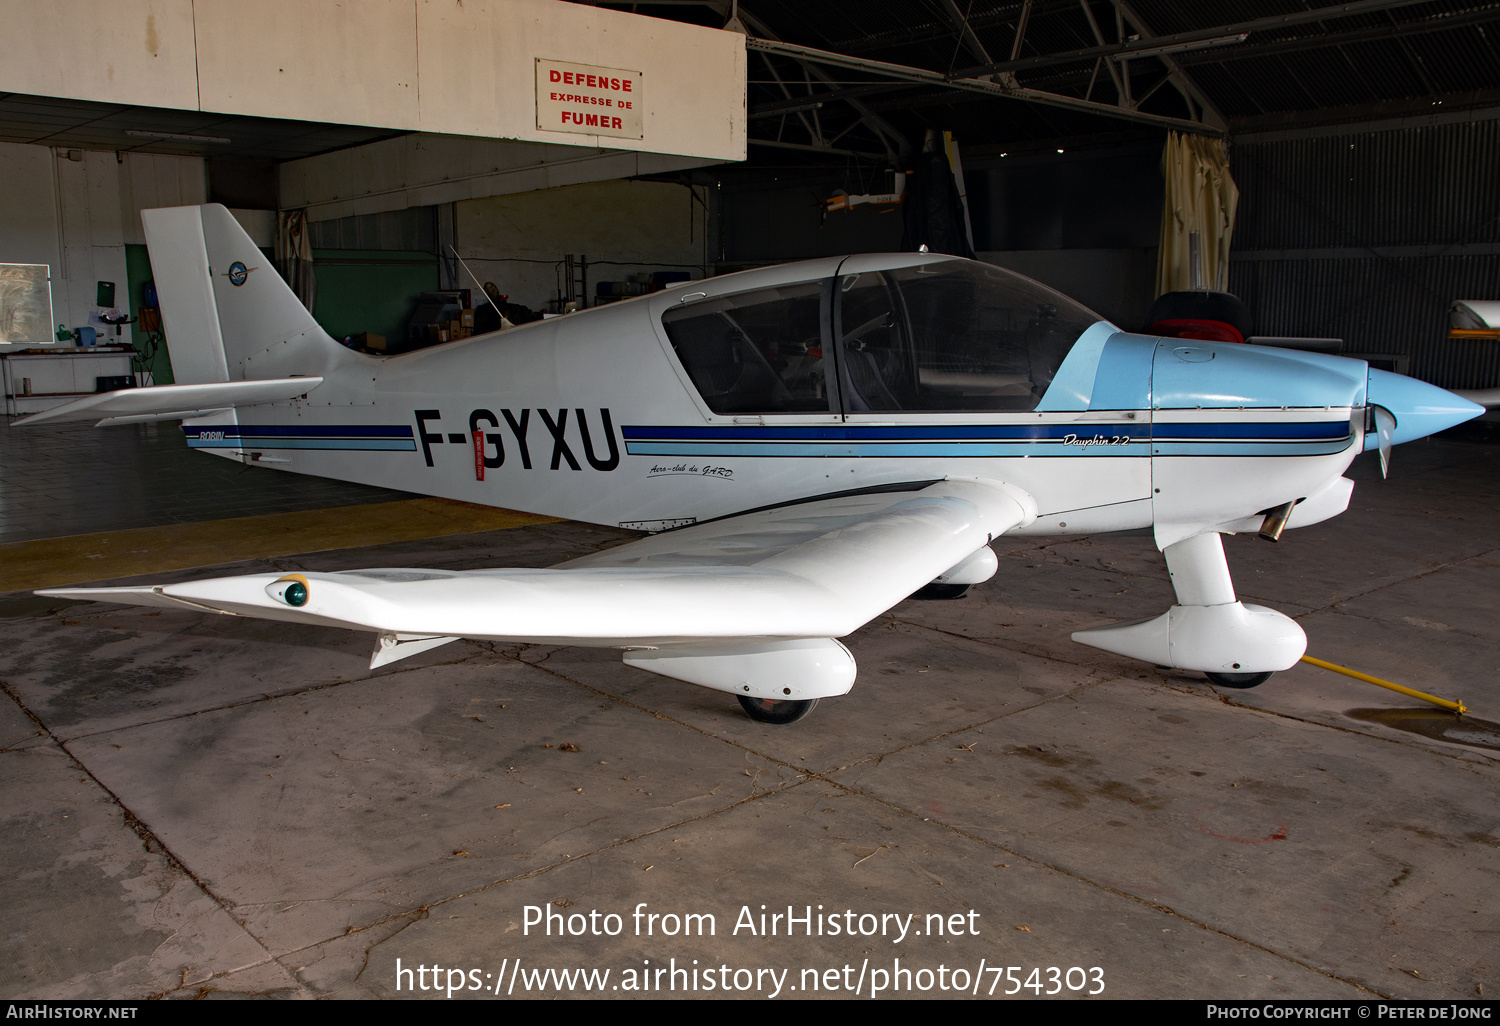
column 1232, row 680
column 766, row 710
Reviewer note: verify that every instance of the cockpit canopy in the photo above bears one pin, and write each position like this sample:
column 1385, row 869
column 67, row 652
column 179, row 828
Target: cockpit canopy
column 947, row 335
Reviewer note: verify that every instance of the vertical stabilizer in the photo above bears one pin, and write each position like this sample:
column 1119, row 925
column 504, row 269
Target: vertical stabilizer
column 228, row 315
column 179, row 264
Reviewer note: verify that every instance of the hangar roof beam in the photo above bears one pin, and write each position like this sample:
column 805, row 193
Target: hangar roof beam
column 1124, row 49
column 1439, row 22
column 975, row 85
column 960, row 21
column 1207, row 112
column 889, row 137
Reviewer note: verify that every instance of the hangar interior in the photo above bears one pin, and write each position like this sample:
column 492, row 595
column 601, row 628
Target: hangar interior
column 205, row 806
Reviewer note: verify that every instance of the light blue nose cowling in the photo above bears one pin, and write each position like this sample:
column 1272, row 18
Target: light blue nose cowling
column 1419, row 409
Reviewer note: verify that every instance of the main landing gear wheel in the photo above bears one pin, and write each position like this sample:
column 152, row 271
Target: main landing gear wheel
column 1237, row 680
column 766, row 710
column 940, row 591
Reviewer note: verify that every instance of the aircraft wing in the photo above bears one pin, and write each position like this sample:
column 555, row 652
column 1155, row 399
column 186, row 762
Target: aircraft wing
column 745, row 604
column 173, row 402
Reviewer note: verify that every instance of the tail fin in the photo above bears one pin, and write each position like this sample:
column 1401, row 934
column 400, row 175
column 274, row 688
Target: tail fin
column 227, row 313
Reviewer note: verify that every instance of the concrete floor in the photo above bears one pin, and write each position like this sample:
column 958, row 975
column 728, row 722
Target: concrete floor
column 67, row 479
column 198, row 805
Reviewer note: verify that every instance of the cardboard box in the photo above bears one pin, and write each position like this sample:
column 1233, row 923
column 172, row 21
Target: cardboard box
column 367, row 340
column 466, row 318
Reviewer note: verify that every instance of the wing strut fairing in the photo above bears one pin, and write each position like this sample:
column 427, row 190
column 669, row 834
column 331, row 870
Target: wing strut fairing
column 748, row 604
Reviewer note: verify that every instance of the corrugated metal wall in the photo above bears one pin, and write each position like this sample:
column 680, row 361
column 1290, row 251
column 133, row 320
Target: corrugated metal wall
column 1370, row 236
column 411, row 230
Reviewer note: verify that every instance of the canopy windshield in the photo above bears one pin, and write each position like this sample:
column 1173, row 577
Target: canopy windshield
column 951, row 336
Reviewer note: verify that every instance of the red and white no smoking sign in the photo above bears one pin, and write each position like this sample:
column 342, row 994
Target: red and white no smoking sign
column 588, row 100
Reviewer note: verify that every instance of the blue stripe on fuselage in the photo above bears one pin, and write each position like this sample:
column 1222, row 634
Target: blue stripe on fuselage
column 1299, row 438
column 304, row 431
column 861, row 433
column 357, row 437
column 922, row 450
column 919, row 441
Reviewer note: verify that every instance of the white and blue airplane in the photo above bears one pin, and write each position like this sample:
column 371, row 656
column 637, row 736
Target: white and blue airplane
column 808, row 445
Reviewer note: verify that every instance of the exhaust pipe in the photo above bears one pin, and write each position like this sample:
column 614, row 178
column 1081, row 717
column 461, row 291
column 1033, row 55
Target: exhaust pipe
column 1275, row 522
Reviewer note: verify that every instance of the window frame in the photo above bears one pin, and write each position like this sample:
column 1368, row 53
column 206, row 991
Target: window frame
column 831, row 413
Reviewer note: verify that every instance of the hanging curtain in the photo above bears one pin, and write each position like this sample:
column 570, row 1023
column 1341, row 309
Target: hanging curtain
column 933, row 212
column 294, row 256
column 1200, row 197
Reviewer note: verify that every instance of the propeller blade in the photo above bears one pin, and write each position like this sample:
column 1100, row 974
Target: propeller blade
column 1385, row 429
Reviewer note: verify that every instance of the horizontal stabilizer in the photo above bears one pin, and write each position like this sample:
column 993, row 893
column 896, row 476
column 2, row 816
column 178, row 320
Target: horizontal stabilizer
column 172, row 402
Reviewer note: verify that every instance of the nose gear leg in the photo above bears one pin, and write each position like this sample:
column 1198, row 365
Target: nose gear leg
column 1208, row 629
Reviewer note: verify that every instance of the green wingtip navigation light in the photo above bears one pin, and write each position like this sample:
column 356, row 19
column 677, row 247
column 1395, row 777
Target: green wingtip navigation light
column 291, row 589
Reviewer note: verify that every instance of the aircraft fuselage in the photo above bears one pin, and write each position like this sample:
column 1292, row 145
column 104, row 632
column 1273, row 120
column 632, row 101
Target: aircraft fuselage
column 597, row 417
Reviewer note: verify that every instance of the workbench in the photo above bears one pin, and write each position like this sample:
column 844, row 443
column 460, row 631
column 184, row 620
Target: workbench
column 37, row 379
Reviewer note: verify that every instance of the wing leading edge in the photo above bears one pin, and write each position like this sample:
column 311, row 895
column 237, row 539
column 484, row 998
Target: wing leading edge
column 749, row 604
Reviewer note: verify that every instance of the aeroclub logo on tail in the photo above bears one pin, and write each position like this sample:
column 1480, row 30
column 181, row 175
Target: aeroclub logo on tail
column 238, row 273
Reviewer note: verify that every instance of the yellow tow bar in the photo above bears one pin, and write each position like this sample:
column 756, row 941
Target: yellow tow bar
column 1457, row 708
